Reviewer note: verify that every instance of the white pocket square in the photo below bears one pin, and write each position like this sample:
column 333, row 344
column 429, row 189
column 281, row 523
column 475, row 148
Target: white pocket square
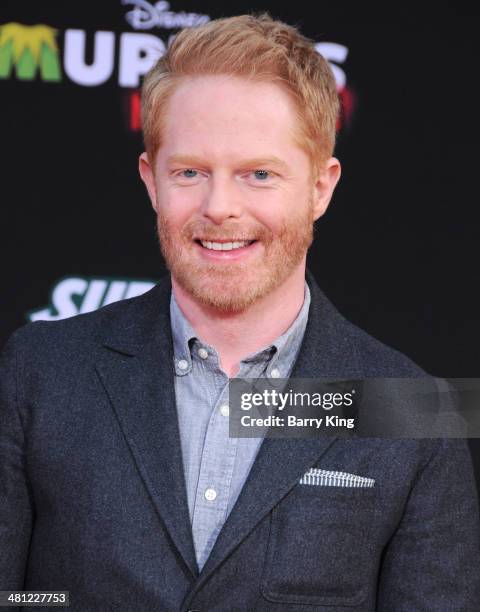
column 328, row 478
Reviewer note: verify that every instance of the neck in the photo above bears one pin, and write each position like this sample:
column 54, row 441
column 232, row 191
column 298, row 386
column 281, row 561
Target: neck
column 236, row 335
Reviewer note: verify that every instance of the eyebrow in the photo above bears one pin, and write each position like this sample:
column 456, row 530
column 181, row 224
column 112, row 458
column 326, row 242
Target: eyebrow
column 244, row 163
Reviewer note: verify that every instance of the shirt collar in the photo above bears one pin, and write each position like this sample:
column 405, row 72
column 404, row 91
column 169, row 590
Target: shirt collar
column 281, row 353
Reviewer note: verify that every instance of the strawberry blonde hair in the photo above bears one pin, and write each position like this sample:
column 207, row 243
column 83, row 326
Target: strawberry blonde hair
column 255, row 47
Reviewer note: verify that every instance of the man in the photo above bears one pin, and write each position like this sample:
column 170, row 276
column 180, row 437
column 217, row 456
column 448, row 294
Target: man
column 119, row 481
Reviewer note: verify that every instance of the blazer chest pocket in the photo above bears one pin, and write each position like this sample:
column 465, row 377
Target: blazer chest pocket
column 320, row 549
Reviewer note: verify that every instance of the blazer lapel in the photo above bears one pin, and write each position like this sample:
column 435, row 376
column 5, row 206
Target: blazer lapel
column 280, row 463
column 137, row 373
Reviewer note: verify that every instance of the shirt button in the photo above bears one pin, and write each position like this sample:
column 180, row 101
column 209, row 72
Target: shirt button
column 210, row 494
column 203, row 353
column 183, row 364
column 275, row 373
column 224, row 410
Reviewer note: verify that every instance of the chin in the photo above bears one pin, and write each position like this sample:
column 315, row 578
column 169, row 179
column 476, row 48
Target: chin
column 227, row 293
column 226, row 290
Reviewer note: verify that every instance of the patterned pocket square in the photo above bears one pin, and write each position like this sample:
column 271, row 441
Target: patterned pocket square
column 327, row 478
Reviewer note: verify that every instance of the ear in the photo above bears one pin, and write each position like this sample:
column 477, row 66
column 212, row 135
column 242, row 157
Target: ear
column 148, row 177
column 327, row 179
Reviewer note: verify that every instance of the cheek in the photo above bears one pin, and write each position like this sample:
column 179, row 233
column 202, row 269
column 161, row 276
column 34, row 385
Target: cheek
column 272, row 214
column 273, row 223
column 177, row 207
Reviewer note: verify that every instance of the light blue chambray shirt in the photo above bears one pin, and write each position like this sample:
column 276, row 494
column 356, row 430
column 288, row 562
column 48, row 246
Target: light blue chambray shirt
column 215, row 465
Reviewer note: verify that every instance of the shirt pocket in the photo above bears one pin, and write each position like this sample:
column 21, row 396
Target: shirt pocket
column 320, row 548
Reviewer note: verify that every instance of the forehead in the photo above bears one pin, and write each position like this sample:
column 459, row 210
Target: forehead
column 229, row 116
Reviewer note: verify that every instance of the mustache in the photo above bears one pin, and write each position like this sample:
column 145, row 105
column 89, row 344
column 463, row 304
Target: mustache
column 226, row 231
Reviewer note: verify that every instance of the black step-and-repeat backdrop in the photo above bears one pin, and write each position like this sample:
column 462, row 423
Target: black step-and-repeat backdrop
column 397, row 251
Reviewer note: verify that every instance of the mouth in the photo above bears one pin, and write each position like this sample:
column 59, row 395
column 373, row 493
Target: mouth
column 228, row 250
column 224, row 245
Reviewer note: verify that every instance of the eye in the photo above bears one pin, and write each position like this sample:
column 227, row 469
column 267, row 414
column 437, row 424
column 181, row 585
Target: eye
column 262, row 175
column 188, row 170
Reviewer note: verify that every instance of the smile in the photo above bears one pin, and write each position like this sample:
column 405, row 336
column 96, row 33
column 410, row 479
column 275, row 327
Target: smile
column 226, row 250
column 225, row 246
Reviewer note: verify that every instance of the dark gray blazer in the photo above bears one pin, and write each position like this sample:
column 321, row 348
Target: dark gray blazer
column 93, row 500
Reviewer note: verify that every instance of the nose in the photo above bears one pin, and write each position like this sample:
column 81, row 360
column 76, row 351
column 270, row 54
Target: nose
column 222, row 200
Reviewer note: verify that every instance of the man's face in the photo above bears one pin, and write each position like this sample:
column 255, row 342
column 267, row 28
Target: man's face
column 229, row 171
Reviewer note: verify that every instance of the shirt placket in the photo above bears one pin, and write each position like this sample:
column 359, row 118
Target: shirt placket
column 216, row 472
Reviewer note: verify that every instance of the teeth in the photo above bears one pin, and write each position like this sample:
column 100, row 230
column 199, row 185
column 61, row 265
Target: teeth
column 224, row 246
